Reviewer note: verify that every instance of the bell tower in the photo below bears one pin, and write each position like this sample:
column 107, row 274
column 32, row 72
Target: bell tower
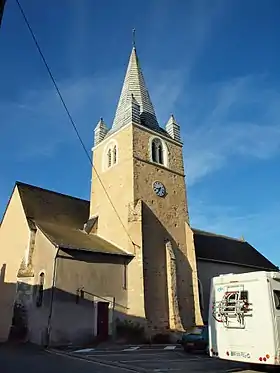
column 138, row 202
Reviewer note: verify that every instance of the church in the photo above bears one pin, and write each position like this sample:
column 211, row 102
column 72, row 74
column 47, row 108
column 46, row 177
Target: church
column 126, row 262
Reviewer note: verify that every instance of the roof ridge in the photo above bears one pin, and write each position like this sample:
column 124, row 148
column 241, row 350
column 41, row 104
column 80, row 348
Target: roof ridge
column 217, row 235
column 20, row 183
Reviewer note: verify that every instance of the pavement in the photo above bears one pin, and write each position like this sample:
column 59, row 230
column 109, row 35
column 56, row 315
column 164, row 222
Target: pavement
column 154, row 358
column 119, row 359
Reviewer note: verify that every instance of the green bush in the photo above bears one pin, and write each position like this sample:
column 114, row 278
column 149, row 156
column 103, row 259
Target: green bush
column 130, row 331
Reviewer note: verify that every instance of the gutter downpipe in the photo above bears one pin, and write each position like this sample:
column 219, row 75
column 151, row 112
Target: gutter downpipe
column 52, row 297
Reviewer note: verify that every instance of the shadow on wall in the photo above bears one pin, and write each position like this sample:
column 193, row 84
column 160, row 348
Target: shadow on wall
column 2, row 274
column 155, row 276
column 7, row 296
column 53, row 317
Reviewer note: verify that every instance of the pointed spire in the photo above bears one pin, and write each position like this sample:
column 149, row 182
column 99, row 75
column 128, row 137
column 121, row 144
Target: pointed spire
column 173, row 128
column 100, row 131
column 134, row 83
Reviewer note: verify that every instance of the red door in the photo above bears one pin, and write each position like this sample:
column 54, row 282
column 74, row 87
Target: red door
column 102, row 320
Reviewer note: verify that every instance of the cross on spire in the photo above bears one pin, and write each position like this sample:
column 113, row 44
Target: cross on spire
column 133, row 38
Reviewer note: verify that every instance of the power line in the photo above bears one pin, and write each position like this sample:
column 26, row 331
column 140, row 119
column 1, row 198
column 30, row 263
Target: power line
column 2, row 8
column 70, row 116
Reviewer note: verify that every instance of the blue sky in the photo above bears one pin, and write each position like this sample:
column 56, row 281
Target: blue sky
column 214, row 64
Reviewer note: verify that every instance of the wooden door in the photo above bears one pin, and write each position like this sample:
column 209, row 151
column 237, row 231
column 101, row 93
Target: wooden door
column 102, row 320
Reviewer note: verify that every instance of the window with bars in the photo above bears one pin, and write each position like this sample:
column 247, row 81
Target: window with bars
column 125, row 276
column 40, row 293
column 111, row 154
column 276, row 294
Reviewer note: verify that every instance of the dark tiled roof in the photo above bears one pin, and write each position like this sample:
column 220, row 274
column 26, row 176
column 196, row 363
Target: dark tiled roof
column 52, row 207
column 70, row 238
column 62, row 218
column 209, row 246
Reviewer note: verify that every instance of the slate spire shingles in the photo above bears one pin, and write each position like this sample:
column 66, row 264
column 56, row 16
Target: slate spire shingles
column 134, row 84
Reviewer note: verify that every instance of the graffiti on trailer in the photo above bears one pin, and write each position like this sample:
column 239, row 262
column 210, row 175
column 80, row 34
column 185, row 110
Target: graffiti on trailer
column 246, row 355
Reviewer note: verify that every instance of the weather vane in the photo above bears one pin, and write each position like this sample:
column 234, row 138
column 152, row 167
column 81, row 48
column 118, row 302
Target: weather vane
column 133, row 38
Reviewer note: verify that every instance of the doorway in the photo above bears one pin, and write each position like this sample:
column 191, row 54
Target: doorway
column 102, row 320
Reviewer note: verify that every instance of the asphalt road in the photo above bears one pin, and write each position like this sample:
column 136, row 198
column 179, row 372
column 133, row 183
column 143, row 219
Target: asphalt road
column 33, row 360
column 160, row 359
column 157, row 360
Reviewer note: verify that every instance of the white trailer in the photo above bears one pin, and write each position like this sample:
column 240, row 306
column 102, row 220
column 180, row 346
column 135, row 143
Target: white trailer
column 244, row 317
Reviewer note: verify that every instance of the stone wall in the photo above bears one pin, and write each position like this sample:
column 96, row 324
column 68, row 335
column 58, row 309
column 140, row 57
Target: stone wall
column 150, row 221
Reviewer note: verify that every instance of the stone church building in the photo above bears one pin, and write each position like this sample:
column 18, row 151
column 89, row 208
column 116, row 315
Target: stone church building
column 76, row 269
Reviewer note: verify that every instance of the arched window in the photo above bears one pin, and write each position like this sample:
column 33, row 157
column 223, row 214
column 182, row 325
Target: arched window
column 40, row 293
column 160, row 154
column 157, row 151
column 109, row 157
column 154, row 156
column 115, row 154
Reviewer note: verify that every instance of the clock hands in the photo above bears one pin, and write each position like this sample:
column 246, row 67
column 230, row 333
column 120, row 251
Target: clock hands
column 159, row 188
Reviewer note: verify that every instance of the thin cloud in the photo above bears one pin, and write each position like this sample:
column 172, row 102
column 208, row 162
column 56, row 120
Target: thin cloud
column 202, row 22
column 221, row 219
column 261, row 227
column 45, row 122
column 39, row 117
column 166, row 88
column 242, row 120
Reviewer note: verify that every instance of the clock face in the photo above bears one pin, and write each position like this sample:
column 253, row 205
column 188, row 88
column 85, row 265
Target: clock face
column 159, row 189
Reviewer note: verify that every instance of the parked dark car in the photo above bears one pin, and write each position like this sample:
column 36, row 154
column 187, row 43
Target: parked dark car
column 197, row 340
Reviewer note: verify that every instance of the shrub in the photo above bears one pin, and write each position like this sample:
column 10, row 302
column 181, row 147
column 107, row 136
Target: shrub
column 161, row 338
column 130, row 331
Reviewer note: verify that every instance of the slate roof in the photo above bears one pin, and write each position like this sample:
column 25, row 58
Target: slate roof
column 213, row 247
column 71, row 238
column 134, row 84
column 62, row 218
